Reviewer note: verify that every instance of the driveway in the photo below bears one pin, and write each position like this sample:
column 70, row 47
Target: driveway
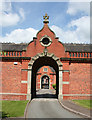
column 47, row 107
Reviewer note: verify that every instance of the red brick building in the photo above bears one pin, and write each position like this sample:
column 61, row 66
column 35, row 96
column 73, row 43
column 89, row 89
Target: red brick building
column 22, row 65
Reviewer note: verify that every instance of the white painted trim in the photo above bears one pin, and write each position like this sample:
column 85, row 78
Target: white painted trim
column 23, row 81
column 77, row 94
column 45, row 45
column 29, row 83
column 65, row 70
column 60, row 84
column 63, row 94
column 40, row 82
column 65, row 82
column 25, row 69
column 12, row 94
column 15, row 63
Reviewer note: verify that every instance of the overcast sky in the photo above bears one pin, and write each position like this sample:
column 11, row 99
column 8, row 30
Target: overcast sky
column 20, row 21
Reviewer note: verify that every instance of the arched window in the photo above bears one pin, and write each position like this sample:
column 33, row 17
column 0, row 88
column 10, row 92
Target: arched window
column 84, row 55
column 81, row 54
column 78, row 54
column 14, row 53
column 75, row 54
column 70, row 54
column 17, row 53
column 90, row 54
column 87, row 54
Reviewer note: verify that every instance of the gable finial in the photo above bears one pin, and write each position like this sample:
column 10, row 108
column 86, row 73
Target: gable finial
column 46, row 17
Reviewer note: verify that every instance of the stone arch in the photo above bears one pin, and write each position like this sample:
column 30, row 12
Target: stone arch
column 46, row 55
column 30, row 64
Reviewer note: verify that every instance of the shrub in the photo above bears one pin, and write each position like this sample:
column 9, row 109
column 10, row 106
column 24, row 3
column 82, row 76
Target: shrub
column 54, row 86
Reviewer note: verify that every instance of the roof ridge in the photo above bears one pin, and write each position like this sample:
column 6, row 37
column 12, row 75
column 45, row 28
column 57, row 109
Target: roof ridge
column 14, row 43
column 77, row 43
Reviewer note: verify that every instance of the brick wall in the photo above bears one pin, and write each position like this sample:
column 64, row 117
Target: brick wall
column 79, row 79
column 11, row 78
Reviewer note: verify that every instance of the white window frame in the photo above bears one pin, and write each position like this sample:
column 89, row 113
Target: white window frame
column 46, row 45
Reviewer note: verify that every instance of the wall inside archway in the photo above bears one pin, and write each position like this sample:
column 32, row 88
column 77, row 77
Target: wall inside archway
column 46, row 70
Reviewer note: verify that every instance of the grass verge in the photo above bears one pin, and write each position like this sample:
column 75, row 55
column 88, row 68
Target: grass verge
column 84, row 103
column 13, row 108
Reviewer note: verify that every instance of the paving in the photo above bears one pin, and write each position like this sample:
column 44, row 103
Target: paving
column 79, row 109
column 47, row 106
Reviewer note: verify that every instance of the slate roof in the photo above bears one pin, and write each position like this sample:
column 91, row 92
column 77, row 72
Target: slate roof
column 12, row 47
column 69, row 47
column 72, row 47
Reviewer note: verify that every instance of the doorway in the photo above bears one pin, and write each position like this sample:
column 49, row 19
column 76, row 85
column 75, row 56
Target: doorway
column 45, row 82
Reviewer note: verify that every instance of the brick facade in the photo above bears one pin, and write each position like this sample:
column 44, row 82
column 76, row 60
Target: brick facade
column 76, row 66
column 80, row 78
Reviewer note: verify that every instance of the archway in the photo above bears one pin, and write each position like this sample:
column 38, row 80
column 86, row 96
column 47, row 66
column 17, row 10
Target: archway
column 47, row 61
column 38, row 61
column 45, row 80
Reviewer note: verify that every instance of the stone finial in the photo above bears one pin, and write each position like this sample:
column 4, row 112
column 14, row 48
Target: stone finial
column 46, row 17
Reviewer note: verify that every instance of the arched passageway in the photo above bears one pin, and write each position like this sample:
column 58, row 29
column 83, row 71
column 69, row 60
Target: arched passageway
column 43, row 61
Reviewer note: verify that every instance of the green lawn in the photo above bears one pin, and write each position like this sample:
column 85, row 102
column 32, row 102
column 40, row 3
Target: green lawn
column 84, row 103
column 13, row 108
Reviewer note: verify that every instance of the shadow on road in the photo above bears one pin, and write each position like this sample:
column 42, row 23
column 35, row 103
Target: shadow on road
column 45, row 96
column 46, row 93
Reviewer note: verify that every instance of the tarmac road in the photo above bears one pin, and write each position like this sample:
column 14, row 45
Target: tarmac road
column 48, row 108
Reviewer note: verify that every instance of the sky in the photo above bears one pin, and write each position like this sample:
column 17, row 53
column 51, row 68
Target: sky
column 20, row 21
